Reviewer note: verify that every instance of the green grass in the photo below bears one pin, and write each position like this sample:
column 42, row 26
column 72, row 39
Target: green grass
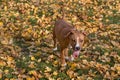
column 33, row 21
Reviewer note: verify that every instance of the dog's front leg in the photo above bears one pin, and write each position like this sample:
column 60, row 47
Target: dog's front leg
column 62, row 55
column 66, row 54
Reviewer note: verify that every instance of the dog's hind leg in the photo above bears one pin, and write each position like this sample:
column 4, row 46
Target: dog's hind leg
column 55, row 45
column 55, row 41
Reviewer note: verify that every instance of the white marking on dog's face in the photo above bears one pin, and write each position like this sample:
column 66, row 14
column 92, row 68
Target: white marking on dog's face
column 77, row 42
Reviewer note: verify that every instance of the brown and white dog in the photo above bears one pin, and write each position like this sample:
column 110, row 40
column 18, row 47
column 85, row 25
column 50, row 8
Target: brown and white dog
column 67, row 36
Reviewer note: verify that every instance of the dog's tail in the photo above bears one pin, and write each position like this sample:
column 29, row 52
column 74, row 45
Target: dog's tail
column 62, row 11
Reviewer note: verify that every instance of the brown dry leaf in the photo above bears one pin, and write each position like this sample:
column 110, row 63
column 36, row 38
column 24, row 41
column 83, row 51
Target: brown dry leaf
column 115, row 43
column 92, row 63
column 107, row 75
column 51, row 56
column 47, row 75
column 5, row 41
column 86, row 1
column 70, row 73
column 118, row 68
column 6, row 79
column 1, row 75
column 85, row 61
column 31, row 65
column 2, row 63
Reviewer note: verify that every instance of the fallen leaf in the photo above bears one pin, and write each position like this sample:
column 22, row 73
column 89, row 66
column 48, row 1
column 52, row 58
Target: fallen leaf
column 6, row 71
column 70, row 73
column 55, row 73
column 31, row 65
column 107, row 75
column 33, row 58
column 1, row 24
column 33, row 72
column 47, row 69
column 85, row 61
column 0, row 75
column 2, row 63
column 30, row 78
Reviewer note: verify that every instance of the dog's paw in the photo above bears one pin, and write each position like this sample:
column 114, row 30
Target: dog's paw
column 67, row 58
column 55, row 49
column 71, row 58
column 63, row 65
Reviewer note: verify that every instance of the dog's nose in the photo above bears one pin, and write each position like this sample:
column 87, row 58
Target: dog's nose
column 77, row 48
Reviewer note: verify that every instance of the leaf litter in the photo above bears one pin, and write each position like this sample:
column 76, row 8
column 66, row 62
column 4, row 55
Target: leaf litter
column 26, row 39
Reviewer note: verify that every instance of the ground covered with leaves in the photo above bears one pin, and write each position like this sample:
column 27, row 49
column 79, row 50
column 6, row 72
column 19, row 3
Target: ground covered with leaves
column 26, row 39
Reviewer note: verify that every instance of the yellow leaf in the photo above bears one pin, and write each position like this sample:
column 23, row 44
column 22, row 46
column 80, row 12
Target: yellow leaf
column 51, row 56
column 85, row 61
column 5, row 8
column 30, row 78
column 74, row 18
column 2, row 63
column 118, row 68
column 32, row 58
column 12, row 79
column 39, row 60
column 35, row 10
column 6, row 71
column 6, row 79
column 55, row 62
column 107, row 75
column 70, row 73
column 10, row 58
column 73, row 65
column 5, row 40
column 55, row 73
column 94, row 29
column 47, row 69
column 51, row 78
column 32, row 6
column 33, row 72
column 1, row 23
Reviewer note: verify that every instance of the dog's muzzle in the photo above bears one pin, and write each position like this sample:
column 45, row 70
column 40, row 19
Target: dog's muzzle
column 77, row 48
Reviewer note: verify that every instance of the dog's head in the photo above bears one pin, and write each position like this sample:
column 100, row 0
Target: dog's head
column 76, row 40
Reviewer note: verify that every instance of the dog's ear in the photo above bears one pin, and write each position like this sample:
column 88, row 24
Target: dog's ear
column 84, row 33
column 69, row 33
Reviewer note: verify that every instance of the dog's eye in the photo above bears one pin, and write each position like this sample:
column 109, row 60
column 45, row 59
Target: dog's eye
column 73, row 40
column 81, row 40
